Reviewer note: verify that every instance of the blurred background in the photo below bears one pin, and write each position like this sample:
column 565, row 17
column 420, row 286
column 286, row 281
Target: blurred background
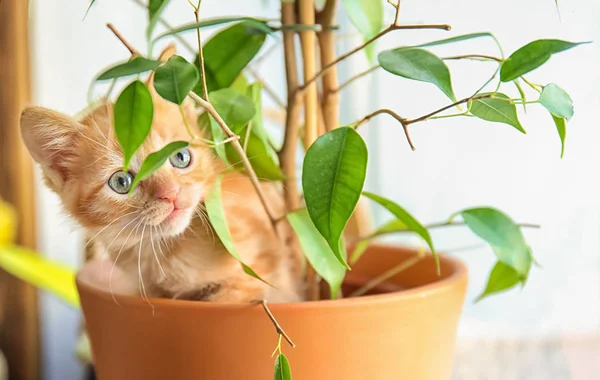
column 49, row 55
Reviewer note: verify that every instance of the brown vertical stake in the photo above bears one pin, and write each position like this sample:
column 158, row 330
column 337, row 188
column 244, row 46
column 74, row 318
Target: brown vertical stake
column 19, row 338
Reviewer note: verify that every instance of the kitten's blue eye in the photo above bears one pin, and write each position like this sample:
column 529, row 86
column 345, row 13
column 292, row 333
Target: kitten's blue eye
column 120, row 181
column 181, row 159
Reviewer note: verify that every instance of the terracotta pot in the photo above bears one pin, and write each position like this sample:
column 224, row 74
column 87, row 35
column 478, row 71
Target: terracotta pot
column 407, row 334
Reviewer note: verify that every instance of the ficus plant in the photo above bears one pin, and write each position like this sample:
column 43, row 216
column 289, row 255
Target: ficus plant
column 217, row 75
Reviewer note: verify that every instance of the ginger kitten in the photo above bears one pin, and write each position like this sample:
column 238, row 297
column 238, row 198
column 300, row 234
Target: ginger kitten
column 158, row 241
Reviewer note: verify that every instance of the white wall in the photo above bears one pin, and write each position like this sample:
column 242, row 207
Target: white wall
column 458, row 163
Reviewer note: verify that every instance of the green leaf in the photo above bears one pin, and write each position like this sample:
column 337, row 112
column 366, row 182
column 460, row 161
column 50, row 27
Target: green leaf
column 317, row 251
column 367, row 17
column 389, row 227
column 133, row 114
column 155, row 9
column 502, row 234
column 333, row 176
column 451, row 40
column 282, row 368
column 498, row 108
column 259, row 25
column 532, row 56
column 418, row 64
column 557, row 101
column 135, row 65
column 502, row 277
column 34, row 269
column 410, row 221
column 255, row 139
column 522, row 94
column 228, row 52
column 175, row 79
column 561, row 127
column 155, row 160
column 86, row 11
column 216, row 215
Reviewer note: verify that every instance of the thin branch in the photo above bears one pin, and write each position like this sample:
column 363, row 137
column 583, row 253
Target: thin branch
column 400, row 119
column 357, row 76
column 397, row 15
column 131, row 49
column 235, row 142
column 268, row 89
column 278, row 328
column 469, row 56
column 389, row 274
column 368, row 42
column 201, row 54
column 465, row 100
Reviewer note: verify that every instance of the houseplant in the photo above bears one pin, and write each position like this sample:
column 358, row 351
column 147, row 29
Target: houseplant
column 339, row 156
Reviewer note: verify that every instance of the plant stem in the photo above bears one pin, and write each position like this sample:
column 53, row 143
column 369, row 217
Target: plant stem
column 306, row 16
column 465, row 100
column 395, row 116
column 390, row 28
column 278, row 328
column 235, row 142
column 389, row 274
column 357, row 76
column 330, row 96
column 469, row 56
column 201, row 54
column 287, row 155
column 449, row 116
column 532, row 85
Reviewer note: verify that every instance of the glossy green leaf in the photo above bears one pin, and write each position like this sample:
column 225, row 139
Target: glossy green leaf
column 133, row 113
column 155, row 160
column 502, row 234
column 135, row 65
column 389, row 227
column 333, row 176
column 259, row 25
column 522, row 94
column 411, row 222
column 502, row 277
column 155, row 10
column 317, row 250
column 561, row 127
column 216, row 215
column 40, row 272
column 532, row 56
column 367, row 17
column 557, row 101
column 86, row 11
column 282, row 368
column 228, row 52
column 497, row 108
column 418, row 64
column 175, row 79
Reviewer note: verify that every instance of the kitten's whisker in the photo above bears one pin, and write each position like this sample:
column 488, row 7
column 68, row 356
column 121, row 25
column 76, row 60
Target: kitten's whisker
column 112, row 269
column 140, row 275
column 108, row 225
column 154, row 251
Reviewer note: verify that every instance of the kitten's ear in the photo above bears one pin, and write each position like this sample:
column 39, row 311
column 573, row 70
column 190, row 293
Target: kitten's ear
column 51, row 140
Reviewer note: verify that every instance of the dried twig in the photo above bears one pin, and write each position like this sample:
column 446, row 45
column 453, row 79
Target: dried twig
column 278, row 328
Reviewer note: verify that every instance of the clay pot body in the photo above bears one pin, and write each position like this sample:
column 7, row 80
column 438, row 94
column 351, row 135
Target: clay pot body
column 405, row 334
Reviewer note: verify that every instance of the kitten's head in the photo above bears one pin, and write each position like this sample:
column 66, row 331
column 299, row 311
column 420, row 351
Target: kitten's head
column 82, row 162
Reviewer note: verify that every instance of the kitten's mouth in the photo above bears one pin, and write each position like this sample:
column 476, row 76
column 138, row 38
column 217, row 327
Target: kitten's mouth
column 175, row 213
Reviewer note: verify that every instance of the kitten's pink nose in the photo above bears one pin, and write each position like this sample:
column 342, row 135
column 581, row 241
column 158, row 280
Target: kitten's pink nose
column 168, row 193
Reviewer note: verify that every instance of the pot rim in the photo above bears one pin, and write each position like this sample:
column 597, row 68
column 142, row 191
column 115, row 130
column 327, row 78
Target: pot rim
column 457, row 267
